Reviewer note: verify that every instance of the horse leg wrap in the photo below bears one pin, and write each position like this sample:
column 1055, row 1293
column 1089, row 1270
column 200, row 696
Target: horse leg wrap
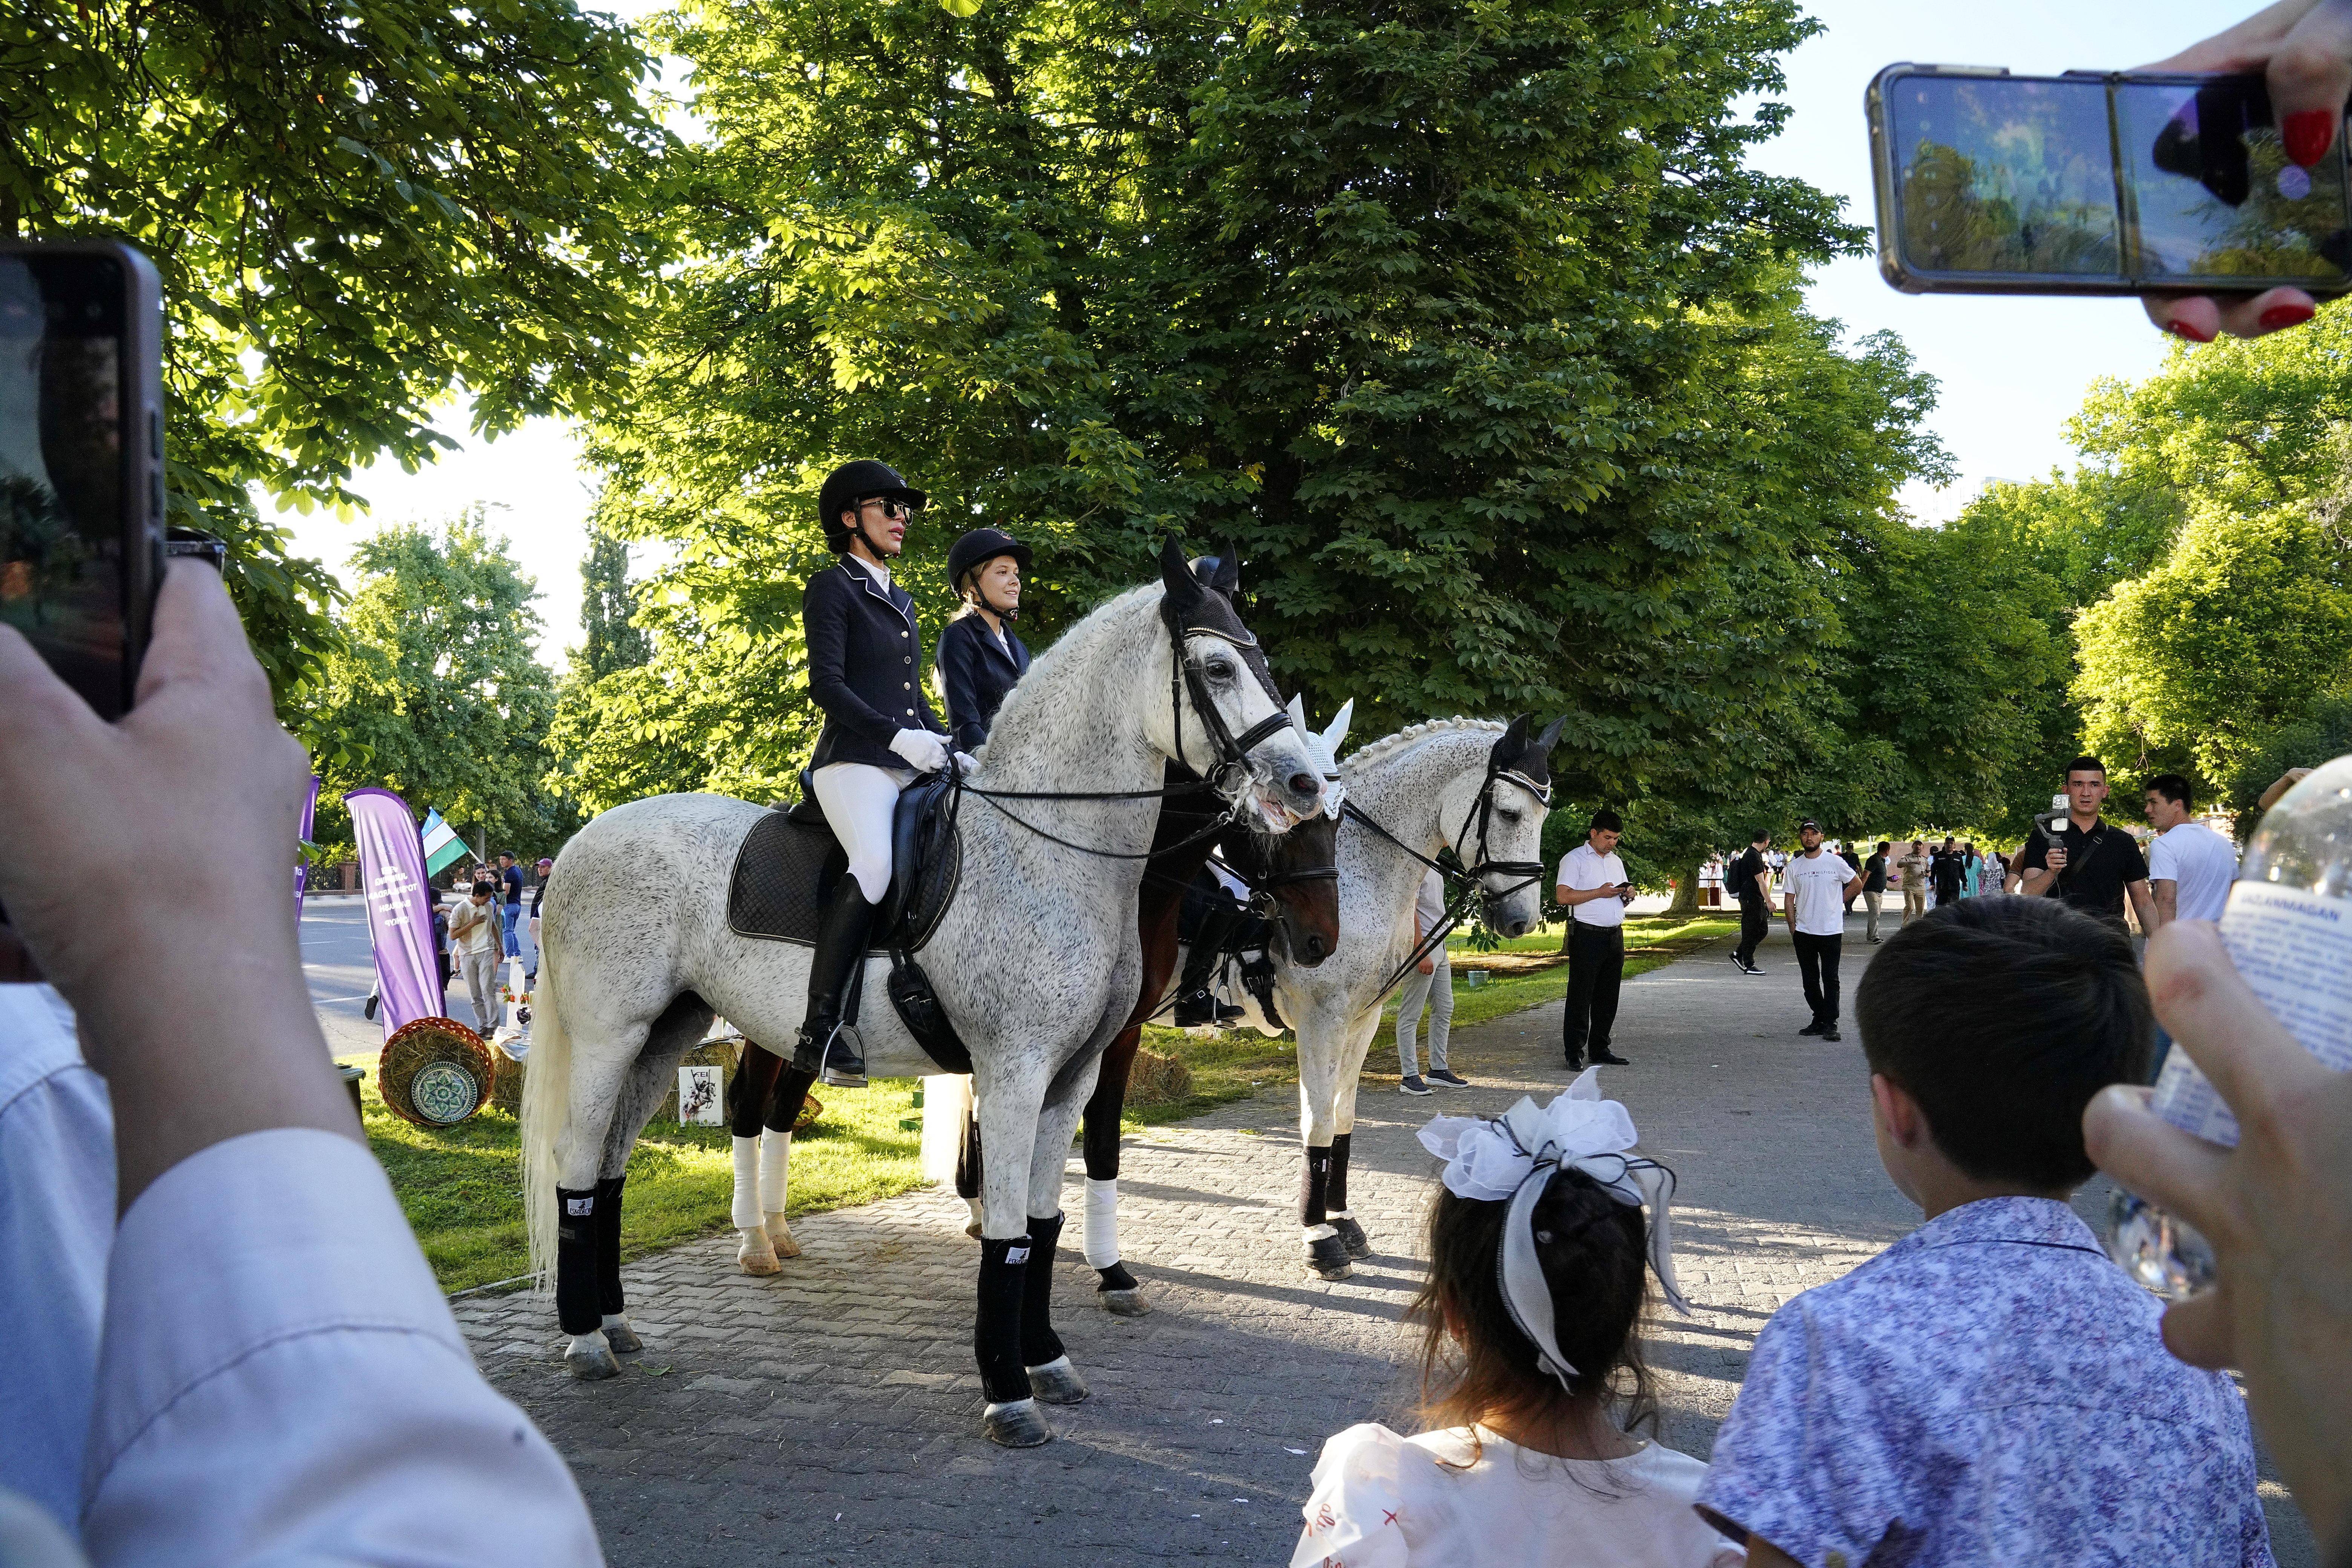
column 743, row 1213
column 1315, row 1187
column 996, row 1328
column 1336, row 1196
column 791, row 1094
column 775, row 1166
column 1102, row 1223
column 607, row 1217
column 1039, row 1343
column 576, row 1308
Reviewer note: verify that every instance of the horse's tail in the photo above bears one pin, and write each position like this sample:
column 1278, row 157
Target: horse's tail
column 947, row 1107
column 546, row 1105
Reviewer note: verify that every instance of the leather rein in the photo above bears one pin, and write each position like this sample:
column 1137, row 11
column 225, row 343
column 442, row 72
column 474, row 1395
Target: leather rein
column 1462, row 882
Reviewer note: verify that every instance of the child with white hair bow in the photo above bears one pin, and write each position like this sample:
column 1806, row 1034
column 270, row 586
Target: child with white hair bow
column 1531, row 1372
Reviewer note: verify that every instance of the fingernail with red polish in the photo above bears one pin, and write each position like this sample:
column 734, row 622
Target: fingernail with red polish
column 2307, row 132
column 2279, row 316
column 2183, row 330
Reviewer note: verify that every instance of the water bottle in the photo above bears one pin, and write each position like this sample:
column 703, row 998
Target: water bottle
column 2288, row 927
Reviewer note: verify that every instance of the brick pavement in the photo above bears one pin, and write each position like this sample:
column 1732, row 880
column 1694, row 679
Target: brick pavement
column 831, row 1414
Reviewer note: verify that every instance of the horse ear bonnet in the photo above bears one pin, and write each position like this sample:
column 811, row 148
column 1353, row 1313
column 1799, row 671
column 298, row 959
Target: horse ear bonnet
column 1528, row 756
column 1198, row 596
column 1227, row 577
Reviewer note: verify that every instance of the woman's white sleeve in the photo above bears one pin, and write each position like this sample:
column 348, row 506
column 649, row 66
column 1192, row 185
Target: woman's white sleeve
column 1356, row 1515
column 280, row 1379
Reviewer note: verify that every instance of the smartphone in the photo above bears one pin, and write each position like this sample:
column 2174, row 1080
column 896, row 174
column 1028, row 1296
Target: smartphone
column 2097, row 183
column 82, row 458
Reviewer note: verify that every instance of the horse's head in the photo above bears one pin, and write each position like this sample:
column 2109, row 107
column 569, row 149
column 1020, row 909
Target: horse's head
column 1495, row 825
column 1226, row 723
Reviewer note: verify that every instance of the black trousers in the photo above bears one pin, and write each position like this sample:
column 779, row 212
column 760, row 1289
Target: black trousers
column 1754, row 921
column 1817, row 961
column 1596, row 963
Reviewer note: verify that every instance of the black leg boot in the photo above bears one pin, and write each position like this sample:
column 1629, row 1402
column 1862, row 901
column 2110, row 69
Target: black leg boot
column 1335, row 1201
column 1326, row 1255
column 840, row 955
column 577, row 1289
column 610, row 1304
column 1012, row 1417
column 1048, row 1365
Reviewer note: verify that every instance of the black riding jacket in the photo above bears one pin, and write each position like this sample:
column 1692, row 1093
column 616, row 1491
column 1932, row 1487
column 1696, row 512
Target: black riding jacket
column 865, row 662
column 978, row 673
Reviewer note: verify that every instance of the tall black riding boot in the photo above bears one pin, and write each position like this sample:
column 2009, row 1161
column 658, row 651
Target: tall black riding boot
column 1194, row 1003
column 840, row 954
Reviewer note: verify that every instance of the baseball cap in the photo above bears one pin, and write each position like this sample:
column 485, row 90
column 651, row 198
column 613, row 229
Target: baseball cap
column 1809, row 822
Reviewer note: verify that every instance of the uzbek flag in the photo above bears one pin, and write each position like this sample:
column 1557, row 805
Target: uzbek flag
column 442, row 844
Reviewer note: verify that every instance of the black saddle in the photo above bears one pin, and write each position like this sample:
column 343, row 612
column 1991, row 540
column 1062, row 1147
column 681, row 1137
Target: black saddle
column 787, row 866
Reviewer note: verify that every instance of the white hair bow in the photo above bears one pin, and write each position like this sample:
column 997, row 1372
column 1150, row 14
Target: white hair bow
column 1498, row 1158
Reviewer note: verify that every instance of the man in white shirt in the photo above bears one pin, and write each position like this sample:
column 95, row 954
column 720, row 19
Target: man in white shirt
column 1591, row 885
column 1815, row 904
column 2189, row 866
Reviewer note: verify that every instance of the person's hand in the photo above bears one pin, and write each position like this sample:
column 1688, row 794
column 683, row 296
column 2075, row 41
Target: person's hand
column 2054, row 858
column 2274, row 1209
column 176, row 939
column 2279, row 786
column 923, row 751
column 1428, row 967
column 2303, row 50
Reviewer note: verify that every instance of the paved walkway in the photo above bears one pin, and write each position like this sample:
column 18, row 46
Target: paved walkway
column 831, row 1414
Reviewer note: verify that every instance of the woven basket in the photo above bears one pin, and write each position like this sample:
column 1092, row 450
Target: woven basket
column 436, row 1072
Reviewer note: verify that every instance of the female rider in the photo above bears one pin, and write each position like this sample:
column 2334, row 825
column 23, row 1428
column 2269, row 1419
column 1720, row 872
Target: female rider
column 865, row 651
column 979, row 657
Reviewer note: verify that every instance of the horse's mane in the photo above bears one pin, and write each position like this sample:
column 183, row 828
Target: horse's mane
column 1387, row 746
column 1044, row 676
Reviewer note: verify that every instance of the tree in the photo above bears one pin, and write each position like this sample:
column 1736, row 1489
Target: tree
column 612, row 640
column 436, row 686
column 1467, row 324
column 357, row 210
column 2233, row 636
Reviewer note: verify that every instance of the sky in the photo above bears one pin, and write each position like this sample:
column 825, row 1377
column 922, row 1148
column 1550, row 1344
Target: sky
column 2011, row 370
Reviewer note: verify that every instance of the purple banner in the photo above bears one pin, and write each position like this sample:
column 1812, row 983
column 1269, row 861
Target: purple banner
column 302, row 858
column 400, row 917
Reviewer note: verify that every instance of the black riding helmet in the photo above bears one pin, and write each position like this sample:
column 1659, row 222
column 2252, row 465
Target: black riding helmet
column 854, row 482
column 980, row 547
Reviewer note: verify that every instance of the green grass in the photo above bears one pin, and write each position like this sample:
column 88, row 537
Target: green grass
column 459, row 1185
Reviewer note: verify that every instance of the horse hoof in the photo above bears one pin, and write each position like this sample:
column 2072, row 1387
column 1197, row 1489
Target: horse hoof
column 756, row 1254
column 1017, row 1425
column 1057, row 1383
column 622, row 1339
column 780, row 1237
column 590, row 1359
column 1124, row 1303
column 1352, row 1235
column 1328, row 1255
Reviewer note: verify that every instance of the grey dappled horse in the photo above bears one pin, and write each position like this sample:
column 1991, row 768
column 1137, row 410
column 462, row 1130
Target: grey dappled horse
column 1034, row 963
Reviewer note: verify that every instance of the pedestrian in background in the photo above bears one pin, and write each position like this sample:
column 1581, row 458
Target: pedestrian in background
column 537, row 896
column 1945, row 874
column 440, row 947
column 1752, row 884
column 474, row 927
column 1913, row 870
column 1430, row 984
column 1818, row 889
column 1874, row 887
column 1971, row 869
column 2189, row 866
column 1591, row 885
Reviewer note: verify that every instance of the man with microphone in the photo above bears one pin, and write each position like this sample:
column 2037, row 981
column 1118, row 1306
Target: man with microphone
column 2083, row 862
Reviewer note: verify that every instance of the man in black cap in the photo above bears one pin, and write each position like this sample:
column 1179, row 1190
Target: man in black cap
column 865, row 659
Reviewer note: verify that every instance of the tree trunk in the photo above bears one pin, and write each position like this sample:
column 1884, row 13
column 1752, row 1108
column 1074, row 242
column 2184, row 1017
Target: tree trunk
column 1685, row 904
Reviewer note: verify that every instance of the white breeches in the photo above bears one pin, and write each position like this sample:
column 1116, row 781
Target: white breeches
column 859, row 799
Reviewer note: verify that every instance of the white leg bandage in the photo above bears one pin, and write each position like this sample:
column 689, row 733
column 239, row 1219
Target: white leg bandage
column 1102, row 1223
column 775, row 1167
column 744, row 1214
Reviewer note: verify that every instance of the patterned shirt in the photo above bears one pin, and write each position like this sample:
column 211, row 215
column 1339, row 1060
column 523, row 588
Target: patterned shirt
column 1989, row 1389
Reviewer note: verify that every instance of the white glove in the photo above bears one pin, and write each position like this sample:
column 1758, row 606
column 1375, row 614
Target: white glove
column 964, row 765
column 925, row 752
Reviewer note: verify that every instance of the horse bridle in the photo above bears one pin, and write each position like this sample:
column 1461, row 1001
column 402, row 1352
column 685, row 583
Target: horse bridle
column 1464, row 883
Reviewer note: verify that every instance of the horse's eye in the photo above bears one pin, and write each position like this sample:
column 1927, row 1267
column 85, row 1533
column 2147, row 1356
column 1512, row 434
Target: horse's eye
column 1221, row 669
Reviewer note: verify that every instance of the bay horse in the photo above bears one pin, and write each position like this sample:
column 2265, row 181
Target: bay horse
column 1033, row 964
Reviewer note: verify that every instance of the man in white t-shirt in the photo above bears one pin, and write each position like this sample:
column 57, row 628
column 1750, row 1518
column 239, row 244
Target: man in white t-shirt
column 2189, row 866
column 1818, row 886
column 1591, row 884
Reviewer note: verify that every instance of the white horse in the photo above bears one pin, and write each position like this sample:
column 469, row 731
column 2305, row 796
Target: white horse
column 1473, row 785
column 1034, row 963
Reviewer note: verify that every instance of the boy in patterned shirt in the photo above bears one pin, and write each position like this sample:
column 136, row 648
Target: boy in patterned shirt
column 1990, row 1388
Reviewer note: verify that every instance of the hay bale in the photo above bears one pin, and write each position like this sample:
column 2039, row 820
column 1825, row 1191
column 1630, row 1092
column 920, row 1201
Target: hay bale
column 1157, row 1079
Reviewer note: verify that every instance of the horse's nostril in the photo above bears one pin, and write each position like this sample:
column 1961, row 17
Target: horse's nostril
column 1303, row 784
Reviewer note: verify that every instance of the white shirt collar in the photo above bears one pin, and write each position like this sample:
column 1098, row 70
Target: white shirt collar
column 874, row 569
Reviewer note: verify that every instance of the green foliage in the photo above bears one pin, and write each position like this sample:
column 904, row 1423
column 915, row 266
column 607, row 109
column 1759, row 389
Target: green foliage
column 612, row 640
column 2196, row 663
column 436, row 688
column 1467, row 322
column 356, row 210
column 2323, row 732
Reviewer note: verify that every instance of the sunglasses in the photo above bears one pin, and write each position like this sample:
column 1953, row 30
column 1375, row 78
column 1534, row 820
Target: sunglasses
column 893, row 509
